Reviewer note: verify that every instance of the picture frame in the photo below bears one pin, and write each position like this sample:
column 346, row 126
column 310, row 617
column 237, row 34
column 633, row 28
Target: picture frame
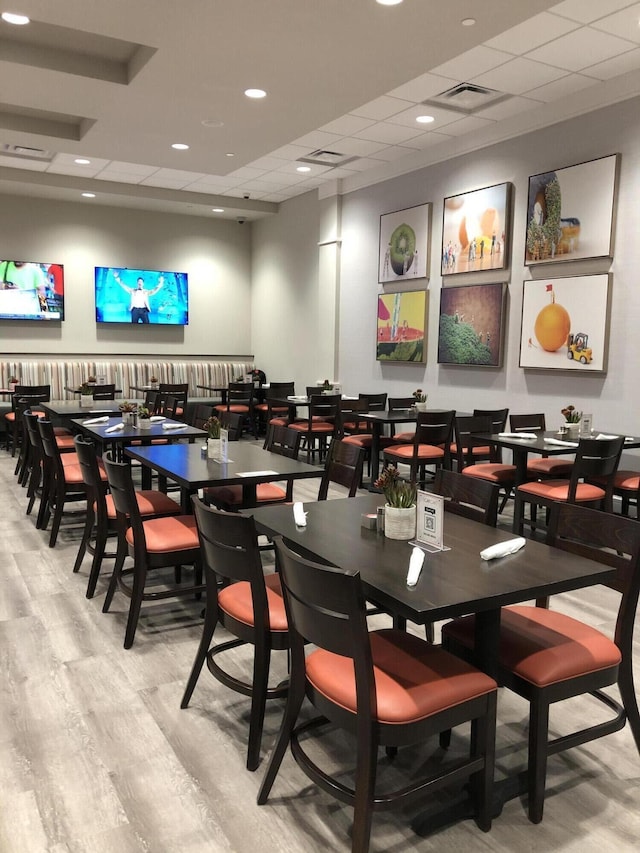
column 570, row 212
column 403, row 251
column 401, row 334
column 476, row 228
column 565, row 323
column 471, row 325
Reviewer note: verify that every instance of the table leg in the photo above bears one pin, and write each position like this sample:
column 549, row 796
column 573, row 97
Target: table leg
column 376, row 430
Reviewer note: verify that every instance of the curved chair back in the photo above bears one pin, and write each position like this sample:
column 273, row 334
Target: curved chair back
column 596, row 457
column 232, row 422
column 104, row 392
column 343, row 466
column 527, row 423
column 125, row 503
column 375, row 402
column 283, row 441
column 498, row 418
column 465, row 427
column 470, row 497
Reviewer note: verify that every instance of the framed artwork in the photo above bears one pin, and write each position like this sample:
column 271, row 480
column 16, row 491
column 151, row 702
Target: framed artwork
column 402, row 324
column 471, row 328
column 570, row 212
column 565, row 323
column 404, row 244
column 475, row 230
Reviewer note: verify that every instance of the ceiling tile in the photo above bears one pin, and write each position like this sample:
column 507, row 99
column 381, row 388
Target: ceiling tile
column 69, row 159
column 347, row 125
column 290, row 169
column 217, row 181
column 19, row 163
column 561, row 88
column 317, row 139
column 159, row 181
column 532, row 33
column 624, row 24
column 510, row 107
column 206, row 187
column 290, row 152
column 468, row 124
column 586, row 11
column 629, row 61
column 580, row 48
column 78, row 171
column 426, row 140
column 282, row 178
column 442, row 117
column 357, row 147
column 518, row 76
column 393, row 152
column 179, row 175
column 389, row 133
column 473, row 62
column 382, row 108
column 119, row 177
column 364, row 163
column 132, row 168
column 425, row 86
column 246, row 172
column 268, row 163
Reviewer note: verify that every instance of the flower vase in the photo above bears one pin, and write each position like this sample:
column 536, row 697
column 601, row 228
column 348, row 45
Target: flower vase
column 144, row 423
column 573, row 432
column 213, row 448
column 86, row 401
column 421, row 407
column 12, row 386
column 399, row 522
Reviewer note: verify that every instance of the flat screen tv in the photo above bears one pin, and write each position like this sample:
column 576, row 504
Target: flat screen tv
column 31, row 291
column 126, row 295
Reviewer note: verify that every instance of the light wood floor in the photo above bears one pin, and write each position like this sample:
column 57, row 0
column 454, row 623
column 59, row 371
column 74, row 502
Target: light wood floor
column 97, row 757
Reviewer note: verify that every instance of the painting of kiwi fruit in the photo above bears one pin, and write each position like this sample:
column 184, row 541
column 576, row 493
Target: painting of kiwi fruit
column 404, row 244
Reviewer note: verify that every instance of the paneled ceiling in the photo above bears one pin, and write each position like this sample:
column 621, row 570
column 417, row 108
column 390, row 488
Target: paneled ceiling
column 117, row 83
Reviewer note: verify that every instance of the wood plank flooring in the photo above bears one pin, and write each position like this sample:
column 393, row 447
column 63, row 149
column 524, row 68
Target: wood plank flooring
column 97, row 757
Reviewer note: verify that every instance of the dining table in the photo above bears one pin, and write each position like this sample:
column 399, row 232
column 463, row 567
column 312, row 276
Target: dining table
column 108, row 434
column 68, row 409
column 247, row 465
column 453, row 582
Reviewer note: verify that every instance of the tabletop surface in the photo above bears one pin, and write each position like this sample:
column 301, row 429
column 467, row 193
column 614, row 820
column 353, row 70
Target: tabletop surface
column 185, row 464
column 129, row 433
column 452, row 582
column 73, row 409
column 539, row 445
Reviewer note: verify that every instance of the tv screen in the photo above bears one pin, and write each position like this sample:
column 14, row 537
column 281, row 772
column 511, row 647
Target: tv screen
column 31, row 291
column 141, row 296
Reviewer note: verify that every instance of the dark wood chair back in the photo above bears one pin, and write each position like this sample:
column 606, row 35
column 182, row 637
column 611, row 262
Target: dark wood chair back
column 170, row 407
column 498, row 418
column 343, row 467
column 104, row 392
column 375, row 402
column 281, row 389
column 201, row 414
column 470, row 497
column 350, row 423
column 435, row 428
column 465, row 429
column 527, row 423
column 596, row 457
column 233, row 423
column 283, row 441
column 153, row 401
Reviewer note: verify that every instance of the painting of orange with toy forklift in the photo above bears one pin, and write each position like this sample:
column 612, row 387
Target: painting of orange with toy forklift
column 565, row 323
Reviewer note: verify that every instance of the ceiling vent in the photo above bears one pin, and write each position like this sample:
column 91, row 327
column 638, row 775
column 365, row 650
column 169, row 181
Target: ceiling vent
column 466, row 98
column 26, row 153
column 326, row 158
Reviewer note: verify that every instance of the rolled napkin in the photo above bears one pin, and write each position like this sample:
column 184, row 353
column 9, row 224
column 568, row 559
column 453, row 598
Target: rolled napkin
column 155, row 419
column 560, row 442
column 299, row 515
column 115, row 427
column 602, row 436
column 517, row 435
column 174, row 427
column 415, row 566
column 503, row 548
column 91, row 421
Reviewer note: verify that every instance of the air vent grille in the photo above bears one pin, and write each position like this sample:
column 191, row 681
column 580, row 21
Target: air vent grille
column 466, row 98
column 321, row 157
column 26, row 153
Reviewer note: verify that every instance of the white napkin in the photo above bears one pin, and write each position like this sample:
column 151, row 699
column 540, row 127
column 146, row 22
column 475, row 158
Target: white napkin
column 602, row 435
column 415, row 566
column 629, row 438
column 299, row 515
column 115, row 427
column 517, row 435
column 155, row 419
column 91, row 421
column 174, row 427
column 560, row 442
column 503, row 548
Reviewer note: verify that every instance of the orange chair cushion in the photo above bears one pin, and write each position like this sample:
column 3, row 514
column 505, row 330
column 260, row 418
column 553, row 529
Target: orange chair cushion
column 495, row 472
column 73, row 475
column 236, row 600
column 61, row 431
column 232, row 495
column 321, row 427
column 479, row 450
column 352, row 425
column 558, row 490
column 173, row 533
column 366, row 440
column 150, row 502
column 405, row 452
column 404, row 436
column 64, row 442
column 550, row 467
column 627, row 481
column 238, row 408
column 414, row 679
column 543, row 646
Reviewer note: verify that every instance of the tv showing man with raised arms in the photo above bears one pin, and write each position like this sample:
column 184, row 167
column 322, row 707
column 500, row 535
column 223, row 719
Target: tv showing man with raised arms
column 139, row 296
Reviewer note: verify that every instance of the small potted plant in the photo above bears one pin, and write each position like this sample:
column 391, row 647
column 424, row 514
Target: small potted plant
column 572, row 418
column 128, row 410
column 400, row 508
column 212, row 426
column 153, row 381
column 86, row 395
column 13, row 381
column 144, row 418
column 327, row 387
column 420, row 400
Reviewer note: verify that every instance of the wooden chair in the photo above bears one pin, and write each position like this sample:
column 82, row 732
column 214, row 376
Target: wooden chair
column 387, row 688
column 595, row 458
column 154, row 544
column 201, row 414
column 240, row 401
column 104, row 392
column 541, row 467
column 101, row 516
column 358, row 433
column 320, row 426
column 430, row 445
column 375, row 402
column 626, row 486
column 267, row 410
column 546, row 656
column 245, row 602
column 398, row 404
column 30, row 395
column 468, row 496
column 179, row 390
column 465, row 430
column 342, row 467
column 62, row 482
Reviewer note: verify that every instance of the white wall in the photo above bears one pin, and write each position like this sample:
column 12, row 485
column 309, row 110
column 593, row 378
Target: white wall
column 610, row 397
column 215, row 254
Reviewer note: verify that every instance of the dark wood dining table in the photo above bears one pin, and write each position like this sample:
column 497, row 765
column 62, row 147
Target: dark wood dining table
column 248, row 465
column 121, row 438
column 452, row 583
column 66, row 409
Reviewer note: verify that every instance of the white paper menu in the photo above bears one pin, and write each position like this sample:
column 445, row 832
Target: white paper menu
column 224, row 445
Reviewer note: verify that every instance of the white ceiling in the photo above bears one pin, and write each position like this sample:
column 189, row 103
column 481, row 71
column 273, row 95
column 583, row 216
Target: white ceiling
column 118, row 82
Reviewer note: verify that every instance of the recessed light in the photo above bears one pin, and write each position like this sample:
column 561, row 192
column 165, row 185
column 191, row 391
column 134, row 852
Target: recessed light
column 88, row 195
column 229, row 154
column 12, row 18
column 180, row 146
column 82, row 161
column 255, row 93
column 389, row 2
column 468, row 22
column 217, row 209
column 212, row 122
column 425, row 119
column 303, row 168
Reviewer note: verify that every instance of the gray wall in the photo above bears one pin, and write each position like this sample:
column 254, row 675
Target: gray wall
column 215, row 254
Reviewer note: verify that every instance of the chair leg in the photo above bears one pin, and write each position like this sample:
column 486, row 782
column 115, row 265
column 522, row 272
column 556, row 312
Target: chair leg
column 86, row 537
column 99, row 548
column 261, row 664
column 292, row 709
column 210, row 621
column 365, row 788
column 117, row 569
column 137, row 591
column 518, row 515
column 629, row 700
column 537, row 770
column 483, row 743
